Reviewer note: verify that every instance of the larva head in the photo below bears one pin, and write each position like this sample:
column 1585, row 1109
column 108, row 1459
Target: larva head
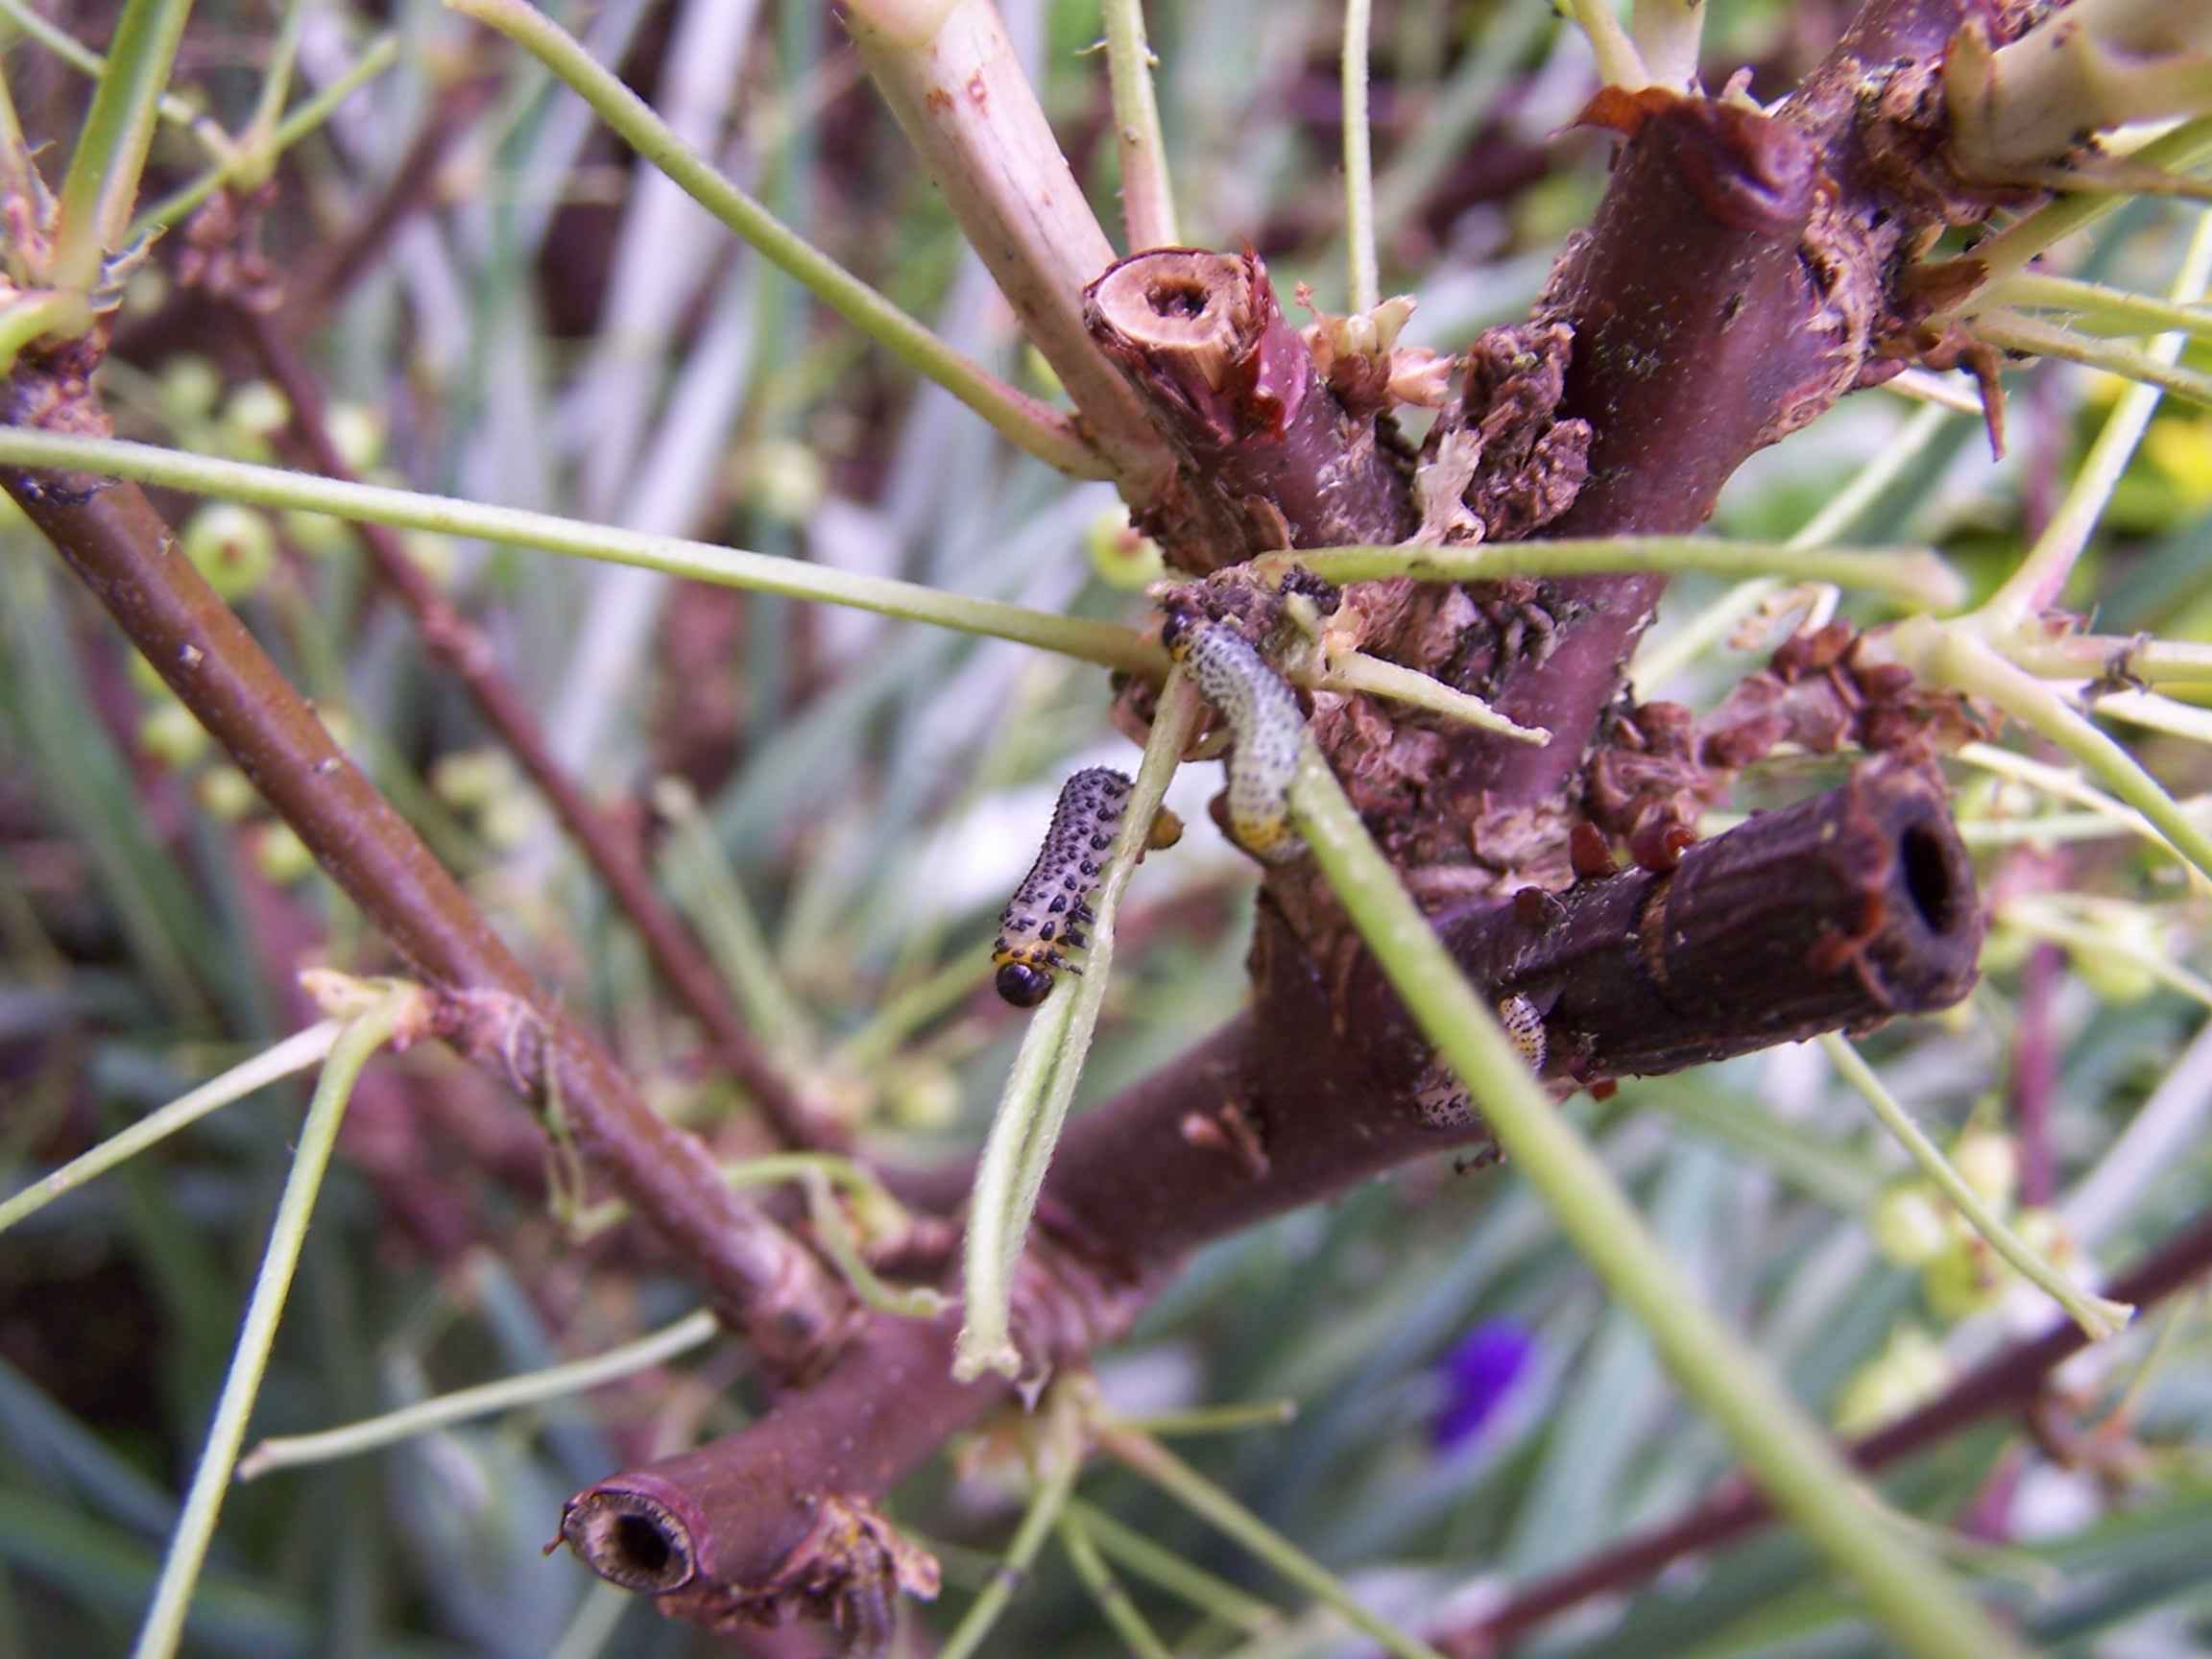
column 1023, row 984
column 1176, row 629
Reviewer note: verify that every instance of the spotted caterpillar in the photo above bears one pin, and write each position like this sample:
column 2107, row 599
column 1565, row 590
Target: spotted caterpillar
column 1046, row 917
column 1266, row 728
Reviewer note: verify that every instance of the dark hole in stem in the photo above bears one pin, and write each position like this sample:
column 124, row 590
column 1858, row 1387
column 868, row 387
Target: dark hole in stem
column 643, row 1546
column 1929, row 878
column 1172, row 299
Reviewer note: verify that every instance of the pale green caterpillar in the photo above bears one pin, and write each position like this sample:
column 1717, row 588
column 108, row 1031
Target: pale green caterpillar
column 1266, row 730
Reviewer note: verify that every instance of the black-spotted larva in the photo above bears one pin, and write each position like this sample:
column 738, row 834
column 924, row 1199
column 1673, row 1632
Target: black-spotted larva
column 1525, row 1026
column 1266, row 728
column 1046, row 917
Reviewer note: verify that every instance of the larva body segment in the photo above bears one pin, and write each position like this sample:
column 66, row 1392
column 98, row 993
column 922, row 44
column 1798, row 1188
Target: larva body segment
column 1265, row 726
column 1049, row 910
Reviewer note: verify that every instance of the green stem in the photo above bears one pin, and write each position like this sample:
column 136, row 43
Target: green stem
column 1215, row 1419
column 1104, row 643
column 1209, row 1593
column 772, row 1170
column 175, row 111
column 2014, row 332
column 2118, row 307
column 2098, row 1316
column 296, row 1053
column 466, row 1404
column 104, row 168
column 1025, row 423
column 1666, row 34
column 2011, row 249
column 1954, row 658
column 714, row 901
column 1618, row 63
column 1106, row 1590
column 833, row 1230
column 986, row 1340
column 1199, row 1495
column 1059, row 1456
column 1147, row 199
column 2036, row 586
column 1363, row 276
column 1043, row 1087
column 383, row 52
column 257, row 155
column 1921, row 1609
column 363, row 1036
column 2044, row 924
column 37, row 314
column 1911, row 575
column 1356, row 671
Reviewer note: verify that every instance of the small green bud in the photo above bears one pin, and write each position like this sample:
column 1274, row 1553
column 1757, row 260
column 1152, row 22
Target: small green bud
column 224, row 794
column 280, row 856
column 317, row 535
column 509, row 820
column 1910, row 1371
column 1121, row 557
column 234, row 547
column 1988, row 1161
column 1909, row 1223
column 171, row 737
column 1964, row 1281
column 921, row 1094
column 258, row 411
column 358, row 432
column 2116, row 969
column 469, row 778
column 190, row 384
column 782, row 481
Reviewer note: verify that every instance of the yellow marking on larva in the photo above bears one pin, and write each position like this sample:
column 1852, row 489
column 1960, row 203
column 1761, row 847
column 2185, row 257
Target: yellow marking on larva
column 1525, row 1026
column 1049, row 910
column 1265, row 726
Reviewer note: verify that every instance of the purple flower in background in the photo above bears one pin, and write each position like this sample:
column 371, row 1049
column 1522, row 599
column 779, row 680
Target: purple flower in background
column 1478, row 1373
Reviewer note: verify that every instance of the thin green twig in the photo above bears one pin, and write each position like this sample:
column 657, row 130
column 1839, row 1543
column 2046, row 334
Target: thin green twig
column 1059, row 1457
column 1025, row 423
column 1921, row 1609
column 1104, row 643
column 1148, row 197
column 2037, row 584
column 1106, row 1590
column 1209, row 1593
column 2117, row 307
column 2011, row 250
column 1363, row 277
column 1914, row 576
column 296, row 1053
column 1954, row 657
column 1050, row 1066
column 1203, row 1497
column 2098, row 1316
column 102, row 183
column 165, row 1627
column 383, row 52
column 489, row 1399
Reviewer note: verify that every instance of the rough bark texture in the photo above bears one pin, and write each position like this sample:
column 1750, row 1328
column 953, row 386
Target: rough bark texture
column 1268, row 456
column 1640, row 972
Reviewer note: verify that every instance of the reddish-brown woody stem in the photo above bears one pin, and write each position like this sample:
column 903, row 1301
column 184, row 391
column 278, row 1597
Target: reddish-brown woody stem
column 761, row 1280
column 461, row 647
column 1267, row 456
